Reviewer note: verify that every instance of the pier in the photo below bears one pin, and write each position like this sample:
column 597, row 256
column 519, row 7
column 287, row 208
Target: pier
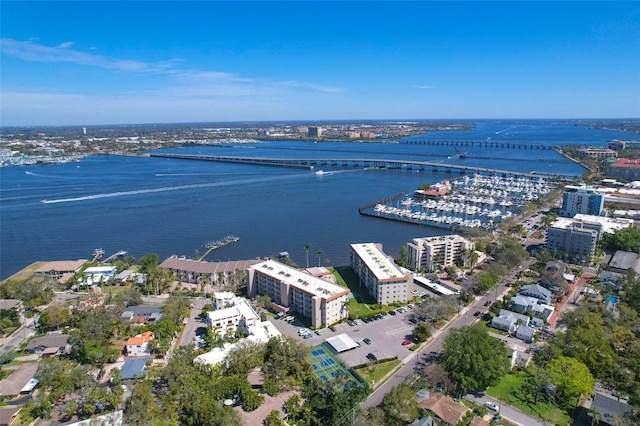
column 365, row 163
column 214, row 245
column 121, row 253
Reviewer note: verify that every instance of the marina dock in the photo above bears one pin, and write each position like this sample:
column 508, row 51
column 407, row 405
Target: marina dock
column 214, row 245
column 472, row 202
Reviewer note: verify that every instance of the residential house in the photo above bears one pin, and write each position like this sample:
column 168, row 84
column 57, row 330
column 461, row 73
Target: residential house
column 610, row 409
column 11, row 304
column 537, row 291
column 525, row 333
column 519, row 358
column 509, row 321
column 8, row 415
column 443, row 406
column 622, row 261
column 611, row 278
column 139, row 345
column 49, row 345
column 134, row 368
column 531, row 304
column 20, row 381
column 142, row 314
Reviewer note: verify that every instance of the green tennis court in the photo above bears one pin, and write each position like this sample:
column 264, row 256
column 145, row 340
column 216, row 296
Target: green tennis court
column 326, row 366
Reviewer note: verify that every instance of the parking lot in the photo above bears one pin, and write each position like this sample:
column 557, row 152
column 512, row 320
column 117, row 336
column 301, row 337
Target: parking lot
column 386, row 335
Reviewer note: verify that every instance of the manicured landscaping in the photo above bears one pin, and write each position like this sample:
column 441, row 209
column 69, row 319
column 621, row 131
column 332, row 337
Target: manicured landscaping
column 510, row 391
column 374, row 373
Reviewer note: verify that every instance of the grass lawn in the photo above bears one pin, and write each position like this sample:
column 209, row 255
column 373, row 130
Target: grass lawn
column 374, row 373
column 509, row 390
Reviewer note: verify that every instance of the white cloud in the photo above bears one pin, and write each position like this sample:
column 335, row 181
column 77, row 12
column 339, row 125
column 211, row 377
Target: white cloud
column 65, row 45
column 29, row 51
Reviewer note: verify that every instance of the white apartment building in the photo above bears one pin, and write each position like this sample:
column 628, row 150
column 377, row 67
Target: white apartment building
column 324, row 303
column 429, row 252
column 581, row 199
column 382, row 278
column 240, row 315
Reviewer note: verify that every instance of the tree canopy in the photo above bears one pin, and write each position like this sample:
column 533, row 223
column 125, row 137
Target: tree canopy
column 572, row 379
column 400, row 405
column 627, row 239
column 473, row 359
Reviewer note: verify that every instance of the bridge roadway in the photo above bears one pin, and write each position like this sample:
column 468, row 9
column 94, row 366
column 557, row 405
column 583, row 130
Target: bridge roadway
column 378, row 163
column 481, row 144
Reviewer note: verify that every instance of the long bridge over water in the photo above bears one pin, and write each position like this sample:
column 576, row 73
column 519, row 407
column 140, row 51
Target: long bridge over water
column 367, row 163
column 481, row 144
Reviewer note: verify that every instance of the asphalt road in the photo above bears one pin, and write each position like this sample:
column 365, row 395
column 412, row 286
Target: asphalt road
column 435, row 345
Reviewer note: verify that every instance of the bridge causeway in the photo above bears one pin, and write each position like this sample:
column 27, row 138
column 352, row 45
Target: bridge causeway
column 480, row 144
column 366, row 163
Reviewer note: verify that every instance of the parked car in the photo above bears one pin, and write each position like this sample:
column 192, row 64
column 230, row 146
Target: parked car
column 393, row 313
column 477, row 313
column 307, row 336
column 372, row 357
column 367, row 340
column 492, row 406
column 406, row 342
column 332, row 328
column 318, row 332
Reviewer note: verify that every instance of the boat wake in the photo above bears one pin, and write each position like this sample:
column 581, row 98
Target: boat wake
column 168, row 188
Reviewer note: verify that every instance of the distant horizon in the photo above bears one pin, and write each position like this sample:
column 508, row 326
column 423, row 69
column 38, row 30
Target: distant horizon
column 87, row 63
column 320, row 122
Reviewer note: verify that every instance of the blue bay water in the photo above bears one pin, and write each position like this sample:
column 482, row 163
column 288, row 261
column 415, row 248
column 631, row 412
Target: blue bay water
column 171, row 206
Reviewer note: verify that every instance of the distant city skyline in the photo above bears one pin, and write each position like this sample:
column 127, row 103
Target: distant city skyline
column 92, row 63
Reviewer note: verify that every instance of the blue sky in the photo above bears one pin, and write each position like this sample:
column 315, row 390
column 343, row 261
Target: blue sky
column 83, row 63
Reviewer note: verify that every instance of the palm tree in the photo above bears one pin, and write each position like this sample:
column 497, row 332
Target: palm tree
column 319, row 253
column 307, row 246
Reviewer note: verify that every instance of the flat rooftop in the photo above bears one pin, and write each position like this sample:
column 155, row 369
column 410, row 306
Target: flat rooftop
column 300, row 280
column 377, row 261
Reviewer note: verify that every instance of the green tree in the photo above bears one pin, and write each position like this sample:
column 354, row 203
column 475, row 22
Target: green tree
column 572, row 379
column 473, row 359
column 422, row 332
column 286, row 362
column 627, row 239
column 54, row 316
column 149, row 263
column 307, row 246
column 400, row 405
column 586, row 339
column 273, row 419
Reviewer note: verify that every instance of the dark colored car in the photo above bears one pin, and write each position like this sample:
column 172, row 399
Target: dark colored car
column 372, row 357
column 393, row 313
column 367, row 340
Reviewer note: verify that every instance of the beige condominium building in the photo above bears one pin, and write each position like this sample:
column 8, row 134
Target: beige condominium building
column 577, row 237
column 323, row 302
column 429, row 252
column 382, row 278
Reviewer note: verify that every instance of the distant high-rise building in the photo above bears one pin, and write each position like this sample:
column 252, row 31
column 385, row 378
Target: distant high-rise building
column 315, row 131
column 583, row 200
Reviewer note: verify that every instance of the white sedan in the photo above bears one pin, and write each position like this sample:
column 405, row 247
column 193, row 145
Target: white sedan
column 492, row 406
